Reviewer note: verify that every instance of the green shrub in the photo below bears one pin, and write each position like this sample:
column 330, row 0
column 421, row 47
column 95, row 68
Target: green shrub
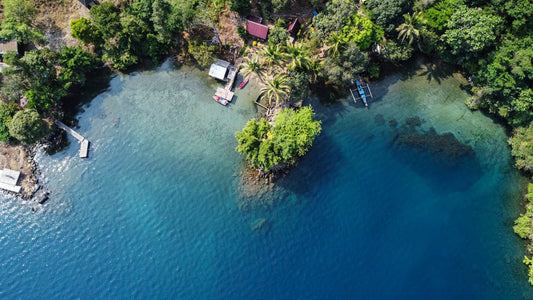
column 202, row 53
column 373, row 71
column 529, row 263
column 28, row 127
column 6, row 114
column 266, row 146
column 242, row 32
column 523, row 225
column 241, row 6
column 522, row 147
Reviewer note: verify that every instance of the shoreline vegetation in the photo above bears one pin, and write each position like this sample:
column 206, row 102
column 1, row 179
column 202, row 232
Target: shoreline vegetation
column 336, row 41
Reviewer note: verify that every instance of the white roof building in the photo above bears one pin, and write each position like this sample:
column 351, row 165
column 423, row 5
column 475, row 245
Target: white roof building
column 9, row 179
column 219, row 69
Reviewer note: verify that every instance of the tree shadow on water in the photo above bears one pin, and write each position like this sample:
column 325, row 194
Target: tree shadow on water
column 302, row 181
column 315, row 170
column 437, row 72
column 97, row 82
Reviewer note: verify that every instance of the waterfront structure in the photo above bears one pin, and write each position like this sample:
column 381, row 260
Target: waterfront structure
column 220, row 70
column 84, row 143
column 9, row 179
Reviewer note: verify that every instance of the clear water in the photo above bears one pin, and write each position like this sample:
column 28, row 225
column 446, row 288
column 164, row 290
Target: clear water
column 372, row 212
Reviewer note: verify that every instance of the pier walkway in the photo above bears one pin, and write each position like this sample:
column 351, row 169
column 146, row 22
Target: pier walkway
column 84, row 148
column 226, row 92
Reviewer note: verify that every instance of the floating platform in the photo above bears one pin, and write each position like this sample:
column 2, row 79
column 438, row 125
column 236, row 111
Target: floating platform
column 223, row 93
column 84, row 149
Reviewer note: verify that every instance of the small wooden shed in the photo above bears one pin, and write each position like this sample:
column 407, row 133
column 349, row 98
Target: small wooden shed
column 294, row 27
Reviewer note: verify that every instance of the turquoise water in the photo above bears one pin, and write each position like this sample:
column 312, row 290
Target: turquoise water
column 381, row 207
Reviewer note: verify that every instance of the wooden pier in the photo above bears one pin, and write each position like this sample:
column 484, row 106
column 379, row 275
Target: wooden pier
column 224, row 71
column 226, row 92
column 232, row 75
column 84, row 148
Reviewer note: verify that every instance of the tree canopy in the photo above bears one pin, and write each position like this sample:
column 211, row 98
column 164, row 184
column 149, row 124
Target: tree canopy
column 522, row 147
column 291, row 135
column 28, row 127
column 470, row 31
column 17, row 22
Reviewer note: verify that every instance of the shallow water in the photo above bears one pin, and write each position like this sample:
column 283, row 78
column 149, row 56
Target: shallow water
column 381, row 207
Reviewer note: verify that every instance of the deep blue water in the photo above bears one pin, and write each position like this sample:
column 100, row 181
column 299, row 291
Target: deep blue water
column 380, row 207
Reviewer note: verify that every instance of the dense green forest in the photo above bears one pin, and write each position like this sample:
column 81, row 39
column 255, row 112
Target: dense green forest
column 489, row 41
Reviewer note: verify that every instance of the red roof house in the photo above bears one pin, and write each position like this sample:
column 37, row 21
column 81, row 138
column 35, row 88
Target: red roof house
column 256, row 29
column 294, row 27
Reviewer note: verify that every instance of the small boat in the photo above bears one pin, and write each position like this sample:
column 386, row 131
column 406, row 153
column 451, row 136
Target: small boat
column 220, row 100
column 243, row 83
column 361, row 92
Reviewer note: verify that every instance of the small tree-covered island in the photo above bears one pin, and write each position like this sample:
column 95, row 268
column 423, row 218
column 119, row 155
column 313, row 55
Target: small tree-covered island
column 291, row 49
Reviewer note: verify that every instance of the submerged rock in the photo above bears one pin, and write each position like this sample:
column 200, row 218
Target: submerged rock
column 446, row 145
column 259, row 225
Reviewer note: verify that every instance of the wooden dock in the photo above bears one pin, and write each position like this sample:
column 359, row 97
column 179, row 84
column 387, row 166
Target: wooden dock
column 232, row 75
column 84, row 148
column 224, row 93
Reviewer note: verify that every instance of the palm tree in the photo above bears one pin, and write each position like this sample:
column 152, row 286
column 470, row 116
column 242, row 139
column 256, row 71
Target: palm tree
column 276, row 89
column 409, row 29
column 336, row 43
column 315, row 68
column 298, row 54
column 272, row 54
column 252, row 66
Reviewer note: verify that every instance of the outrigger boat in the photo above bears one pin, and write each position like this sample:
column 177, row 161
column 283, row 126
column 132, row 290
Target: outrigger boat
column 243, row 83
column 220, row 100
column 361, row 91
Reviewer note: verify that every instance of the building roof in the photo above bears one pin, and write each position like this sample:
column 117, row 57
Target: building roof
column 255, row 19
column 219, row 69
column 10, row 177
column 23, row 102
column 294, row 26
column 8, row 46
column 88, row 3
column 256, row 29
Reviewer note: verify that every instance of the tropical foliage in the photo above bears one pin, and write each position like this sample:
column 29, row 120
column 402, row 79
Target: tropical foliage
column 202, row 52
column 276, row 89
column 470, row 31
column 522, row 147
column 291, row 135
column 345, row 67
column 27, row 127
column 18, row 22
column 409, row 30
column 140, row 28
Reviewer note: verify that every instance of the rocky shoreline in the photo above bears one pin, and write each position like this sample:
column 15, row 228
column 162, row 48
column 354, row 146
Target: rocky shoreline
column 21, row 158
